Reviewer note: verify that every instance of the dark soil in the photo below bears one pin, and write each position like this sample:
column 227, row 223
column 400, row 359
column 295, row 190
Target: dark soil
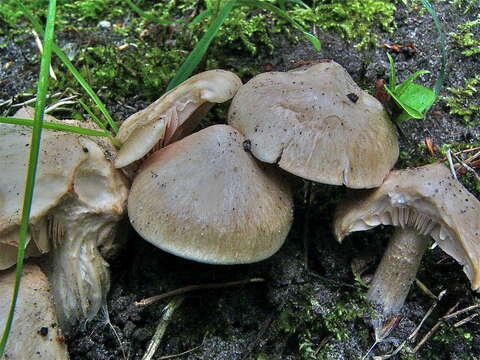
column 295, row 313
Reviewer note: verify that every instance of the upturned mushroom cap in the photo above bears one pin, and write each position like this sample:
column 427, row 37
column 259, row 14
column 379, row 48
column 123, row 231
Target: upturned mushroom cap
column 60, row 156
column 78, row 201
column 428, row 200
column 35, row 333
column 165, row 120
column 206, row 199
column 318, row 124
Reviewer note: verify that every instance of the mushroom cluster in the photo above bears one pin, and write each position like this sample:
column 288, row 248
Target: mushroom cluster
column 78, row 202
column 205, row 198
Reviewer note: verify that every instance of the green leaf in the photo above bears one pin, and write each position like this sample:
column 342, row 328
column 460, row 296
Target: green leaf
column 414, row 101
column 404, row 85
column 196, row 55
column 32, row 163
column 418, row 97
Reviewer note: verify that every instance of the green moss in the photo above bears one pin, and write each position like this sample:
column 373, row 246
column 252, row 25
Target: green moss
column 465, row 101
column 353, row 19
column 300, row 319
column 466, row 37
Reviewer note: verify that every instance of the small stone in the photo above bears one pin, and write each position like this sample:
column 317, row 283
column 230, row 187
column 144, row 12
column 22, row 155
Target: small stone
column 105, row 24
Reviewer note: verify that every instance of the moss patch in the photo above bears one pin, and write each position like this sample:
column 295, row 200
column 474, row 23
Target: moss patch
column 465, row 101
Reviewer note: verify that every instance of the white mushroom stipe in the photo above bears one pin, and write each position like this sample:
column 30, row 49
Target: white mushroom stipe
column 399, row 266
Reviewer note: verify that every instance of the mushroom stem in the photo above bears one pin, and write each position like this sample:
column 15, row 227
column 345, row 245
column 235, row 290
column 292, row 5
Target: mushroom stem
column 395, row 274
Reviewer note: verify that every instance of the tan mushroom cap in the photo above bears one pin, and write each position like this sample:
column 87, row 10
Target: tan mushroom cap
column 165, row 120
column 79, row 199
column 427, row 199
column 35, row 333
column 54, row 178
column 318, row 124
column 206, row 199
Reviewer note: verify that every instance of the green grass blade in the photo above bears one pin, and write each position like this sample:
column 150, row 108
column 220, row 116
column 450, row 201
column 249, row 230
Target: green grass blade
column 148, row 16
column 299, row 2
column 66, row 61
column 53, row 126
column 443, row 46
column 279, row 12
column 196, row 55
column 32, row 165
column 86, row 87
column 201, row 16
column 100, row 124
column 393, row 74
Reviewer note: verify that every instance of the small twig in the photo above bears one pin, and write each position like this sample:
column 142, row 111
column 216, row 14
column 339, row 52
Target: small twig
column 162, row 326
column 40, row 48
column 66, row 101
column 183, row 353
column 473, row 158
column 466, row 320
column 463, row 152
column 426, row 290
column 466, row 167
column 414, row 334
column 190, row 288
column 265, row 326
column 435, row 327
column 459, row 312
column 450, row 162
column 27, row 102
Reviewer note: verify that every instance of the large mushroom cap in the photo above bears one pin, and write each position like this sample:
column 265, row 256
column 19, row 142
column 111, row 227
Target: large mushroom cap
column 318, row 124
column 35, row 333
column 54, row 178
column 175, row 114
column 78, row 200
column 205, row 198
column 428, row 200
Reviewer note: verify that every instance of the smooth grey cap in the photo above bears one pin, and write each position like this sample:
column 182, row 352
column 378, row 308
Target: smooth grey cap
column 205, row 198
column 35, row 332
column 318, row 124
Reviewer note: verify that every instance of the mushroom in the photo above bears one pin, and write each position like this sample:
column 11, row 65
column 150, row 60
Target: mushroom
column 205, row 198
column 422, row 203
column 318, row 124
column 78, row 201
column 35, row 334
column 174, row 115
